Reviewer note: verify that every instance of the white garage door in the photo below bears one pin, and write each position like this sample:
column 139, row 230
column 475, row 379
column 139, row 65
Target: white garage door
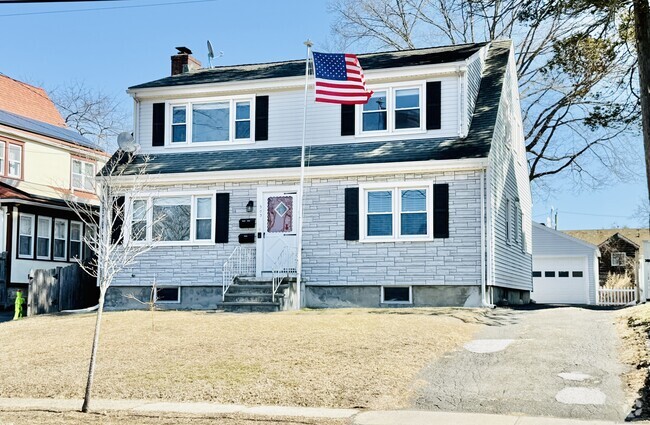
column 560, row 280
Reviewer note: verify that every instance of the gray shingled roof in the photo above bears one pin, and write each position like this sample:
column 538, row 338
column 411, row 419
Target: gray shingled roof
column 294, row 68
column 475, row 145
column 39, row 127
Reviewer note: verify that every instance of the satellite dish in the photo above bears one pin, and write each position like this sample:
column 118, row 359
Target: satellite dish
column 210, row 54
column 126, row 142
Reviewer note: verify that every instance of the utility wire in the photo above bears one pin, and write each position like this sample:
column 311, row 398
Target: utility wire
column 50, row 12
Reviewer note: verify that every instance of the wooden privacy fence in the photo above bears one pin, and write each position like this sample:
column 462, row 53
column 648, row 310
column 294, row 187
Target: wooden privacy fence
column 63, row 288
column 614, row 297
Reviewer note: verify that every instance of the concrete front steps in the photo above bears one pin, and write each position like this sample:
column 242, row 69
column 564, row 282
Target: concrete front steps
column 252, row 294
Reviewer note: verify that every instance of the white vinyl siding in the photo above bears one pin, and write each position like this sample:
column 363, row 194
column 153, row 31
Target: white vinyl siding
column 323, row 121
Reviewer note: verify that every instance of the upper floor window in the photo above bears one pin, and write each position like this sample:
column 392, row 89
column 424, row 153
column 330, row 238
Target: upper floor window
column 394, row 109
column 618, row 259
column 83, row 173
column 220, row 121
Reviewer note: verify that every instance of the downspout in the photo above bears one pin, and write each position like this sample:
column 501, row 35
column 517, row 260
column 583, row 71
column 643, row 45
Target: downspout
column 485, row 245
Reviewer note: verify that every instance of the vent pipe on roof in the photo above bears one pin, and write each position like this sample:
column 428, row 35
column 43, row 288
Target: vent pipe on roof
column 183, row 61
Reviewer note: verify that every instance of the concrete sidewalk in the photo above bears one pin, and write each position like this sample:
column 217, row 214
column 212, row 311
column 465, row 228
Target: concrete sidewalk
column 355, row 416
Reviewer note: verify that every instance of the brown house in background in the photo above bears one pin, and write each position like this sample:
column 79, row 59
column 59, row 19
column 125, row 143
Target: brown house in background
column 620, row 250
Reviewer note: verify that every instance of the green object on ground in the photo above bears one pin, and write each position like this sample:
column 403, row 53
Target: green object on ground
column 18, row 305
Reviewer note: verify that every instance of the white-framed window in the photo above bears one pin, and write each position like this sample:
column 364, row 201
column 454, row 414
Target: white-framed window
column 618, row 259
column 397, row 295
column 76, row 239
column 394, row 212
column 217, row 121
column 83, row 175
column 15, row 161
column 172, row 219
column 2, row 157
column 168, row 294
column 203, row 218
column 394, row 109
column 139, row 218
column 44, row 238
column 26, row 236
column 60, row 239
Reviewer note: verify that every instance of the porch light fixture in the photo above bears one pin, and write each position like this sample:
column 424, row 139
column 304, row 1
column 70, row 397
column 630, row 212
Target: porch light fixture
column 249, row 206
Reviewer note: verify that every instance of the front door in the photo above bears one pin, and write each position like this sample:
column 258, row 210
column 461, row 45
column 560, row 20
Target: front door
column 277, row 229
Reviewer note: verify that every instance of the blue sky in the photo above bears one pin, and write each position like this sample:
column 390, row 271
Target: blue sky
column 115, row 48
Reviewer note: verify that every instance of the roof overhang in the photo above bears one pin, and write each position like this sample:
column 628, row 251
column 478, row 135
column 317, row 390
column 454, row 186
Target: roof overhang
column 471, row 164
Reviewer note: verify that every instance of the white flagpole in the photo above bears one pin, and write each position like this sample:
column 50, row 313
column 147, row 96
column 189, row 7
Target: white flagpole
column 307, row 43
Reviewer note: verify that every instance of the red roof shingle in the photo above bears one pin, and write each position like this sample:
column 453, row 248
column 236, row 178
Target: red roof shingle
column 29, row 101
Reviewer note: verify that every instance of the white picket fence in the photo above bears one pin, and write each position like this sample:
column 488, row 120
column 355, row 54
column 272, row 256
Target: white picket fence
column 613, row 297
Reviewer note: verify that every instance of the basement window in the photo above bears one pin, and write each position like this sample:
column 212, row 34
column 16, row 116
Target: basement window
column 168, row 294
column 396, row 295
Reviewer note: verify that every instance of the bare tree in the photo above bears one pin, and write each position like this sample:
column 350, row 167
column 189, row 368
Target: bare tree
column 113, row 250
column 574, row 69
column 92, row 113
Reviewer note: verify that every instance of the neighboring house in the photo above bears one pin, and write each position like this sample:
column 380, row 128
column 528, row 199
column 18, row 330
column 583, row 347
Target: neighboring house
column 565, row 268
column 421, row 197
column 620, row 249
column 42, row 163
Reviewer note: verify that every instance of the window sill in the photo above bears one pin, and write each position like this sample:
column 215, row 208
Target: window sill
column 25, row 257
column 389, row 303
column 176, row 243
column 171, row 145
column 381, row 240
column 43, row 258
column 363, row 134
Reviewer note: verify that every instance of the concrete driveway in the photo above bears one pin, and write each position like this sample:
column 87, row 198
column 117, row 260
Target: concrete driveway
column 559, row 362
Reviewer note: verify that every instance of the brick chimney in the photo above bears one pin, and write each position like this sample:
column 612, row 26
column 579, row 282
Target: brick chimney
column 183, row 61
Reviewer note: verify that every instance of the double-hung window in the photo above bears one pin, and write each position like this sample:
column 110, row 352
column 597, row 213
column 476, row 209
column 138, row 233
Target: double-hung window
column 76, row 239
column 393, row 110
column 43, row 238
column 90, row 240
column 26, row 236
column 203, row 218
column 397, row 213
column 83, row 173
column 60, row 239
column 139, row 213
column 217, row 121
column 172, row 219
column 15, row 161
column 2, row 157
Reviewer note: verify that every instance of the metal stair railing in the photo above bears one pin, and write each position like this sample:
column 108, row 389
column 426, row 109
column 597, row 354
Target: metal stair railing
column 241, row 262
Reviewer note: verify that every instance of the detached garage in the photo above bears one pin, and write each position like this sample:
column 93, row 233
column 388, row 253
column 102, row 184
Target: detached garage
column 563, row 268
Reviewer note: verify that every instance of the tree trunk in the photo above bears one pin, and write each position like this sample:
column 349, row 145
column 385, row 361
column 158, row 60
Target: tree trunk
column 93, row 354
column 642, row 31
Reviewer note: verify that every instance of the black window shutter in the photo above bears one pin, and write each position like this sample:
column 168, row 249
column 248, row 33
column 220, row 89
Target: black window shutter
column 433, row 105
column 441, row 210
column 351, row 213
column 117, row 235
column 347, row 120
column 158, row 125
column 261, row 118
column 222, row 218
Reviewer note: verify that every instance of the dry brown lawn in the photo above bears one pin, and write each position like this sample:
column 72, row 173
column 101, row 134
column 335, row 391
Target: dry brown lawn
column 331, row 358
column 129, row 418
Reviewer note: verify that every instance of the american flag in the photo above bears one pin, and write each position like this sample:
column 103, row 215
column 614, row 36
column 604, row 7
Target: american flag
column 339, row 79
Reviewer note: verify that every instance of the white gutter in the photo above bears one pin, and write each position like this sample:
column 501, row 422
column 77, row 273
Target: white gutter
column 486, row 247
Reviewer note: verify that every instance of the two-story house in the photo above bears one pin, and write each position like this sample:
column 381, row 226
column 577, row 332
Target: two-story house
column 420, row 197
column 42, row 164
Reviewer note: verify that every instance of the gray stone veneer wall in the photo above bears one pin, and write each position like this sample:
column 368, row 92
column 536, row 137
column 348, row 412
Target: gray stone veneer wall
column 328, row 259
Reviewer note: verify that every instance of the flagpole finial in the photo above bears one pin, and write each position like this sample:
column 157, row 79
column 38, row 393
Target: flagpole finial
column 308, row 43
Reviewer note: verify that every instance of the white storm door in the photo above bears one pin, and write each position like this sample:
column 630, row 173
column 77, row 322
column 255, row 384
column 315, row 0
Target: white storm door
column 277, row 232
